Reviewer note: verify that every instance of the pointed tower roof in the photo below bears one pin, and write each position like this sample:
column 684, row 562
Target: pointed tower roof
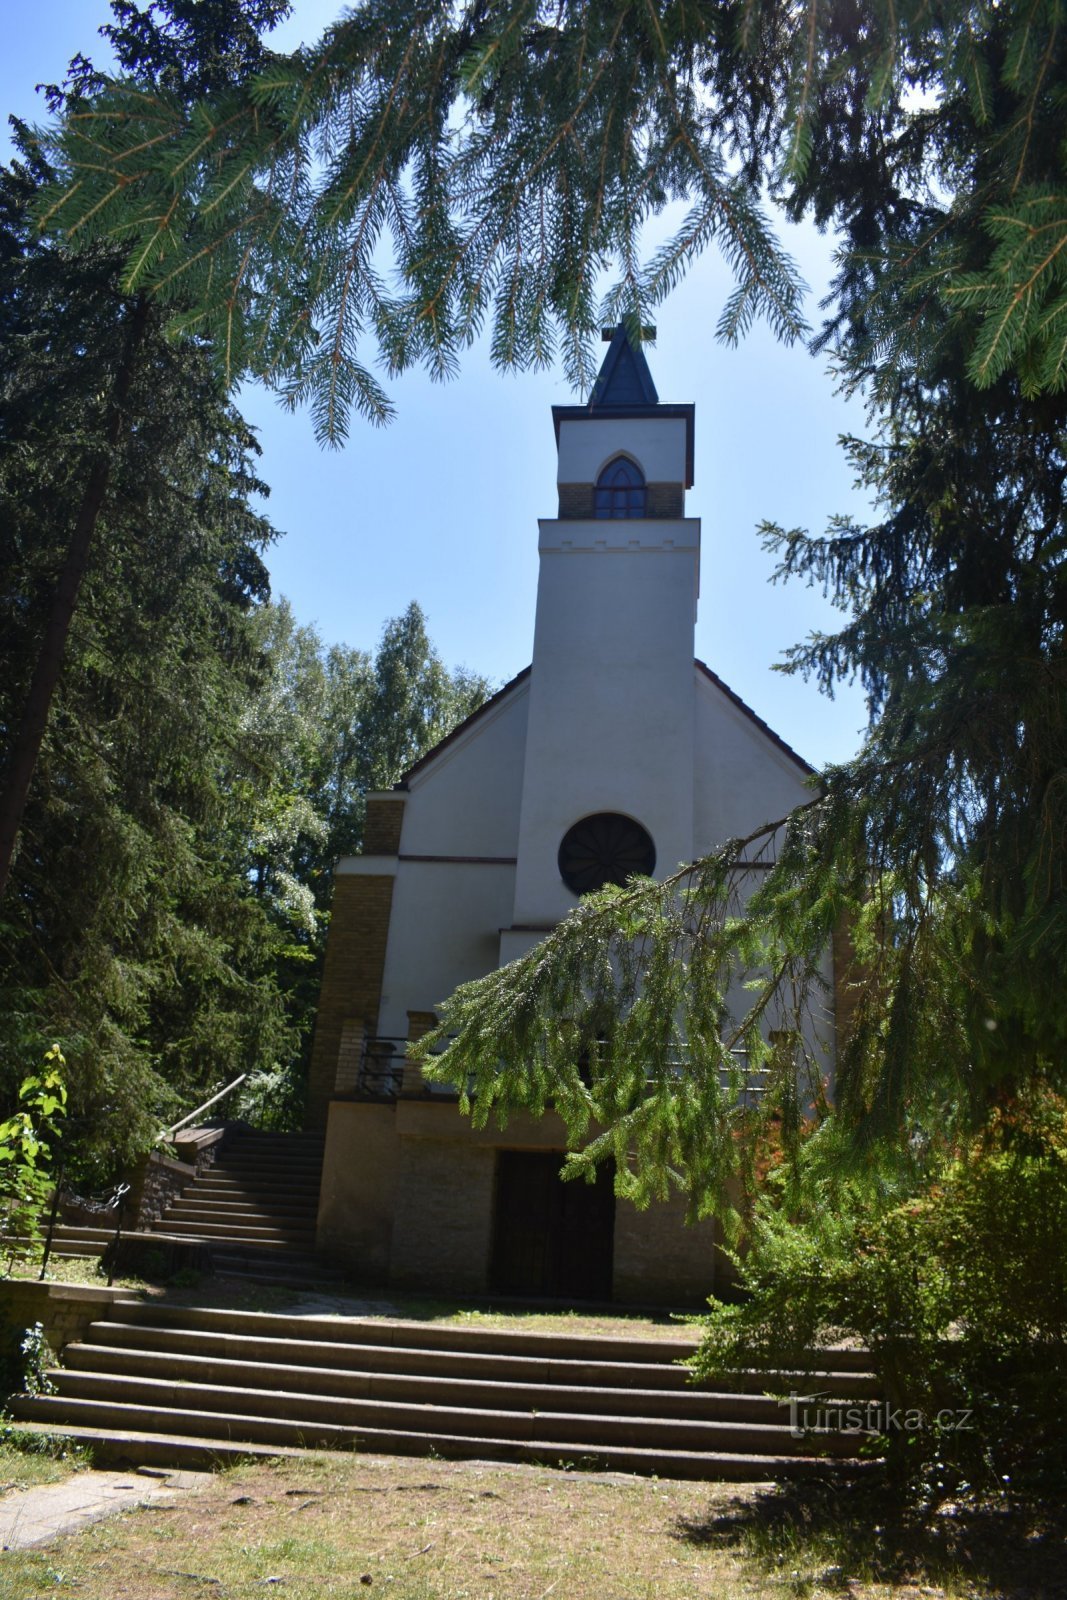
column 624, row 379
column 624, row 388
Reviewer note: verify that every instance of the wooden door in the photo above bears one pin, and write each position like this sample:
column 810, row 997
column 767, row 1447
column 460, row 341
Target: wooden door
column 551, row 1239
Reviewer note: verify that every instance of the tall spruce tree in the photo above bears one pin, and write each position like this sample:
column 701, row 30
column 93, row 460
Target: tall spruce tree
column 166, row 909
column 129, row 933
column 193, row 50
column 507, row 151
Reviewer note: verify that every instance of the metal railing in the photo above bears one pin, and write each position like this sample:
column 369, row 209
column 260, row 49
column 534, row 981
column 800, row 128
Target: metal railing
column 381, row 1070
column 168, row 1133
column 382, row 1062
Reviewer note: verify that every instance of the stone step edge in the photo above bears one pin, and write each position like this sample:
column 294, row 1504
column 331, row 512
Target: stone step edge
column 409, row 1332
column 294, row 1410
column 110, row 1333
column 119, row 1446
column 76, row 1233
column 342, row 1329
column 724, row 1466
column 307, row 1382
column 304, row 1379
column 196, row 1210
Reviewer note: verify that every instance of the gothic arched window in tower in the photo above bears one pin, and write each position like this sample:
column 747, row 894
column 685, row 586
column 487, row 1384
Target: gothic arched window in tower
column 620, row 489
column 605, row 848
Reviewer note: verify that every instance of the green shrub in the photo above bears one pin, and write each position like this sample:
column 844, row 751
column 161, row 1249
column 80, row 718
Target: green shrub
column 957, row 1288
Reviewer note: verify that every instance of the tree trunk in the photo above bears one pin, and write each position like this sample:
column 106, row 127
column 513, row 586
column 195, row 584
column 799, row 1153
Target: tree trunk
column 27, row 744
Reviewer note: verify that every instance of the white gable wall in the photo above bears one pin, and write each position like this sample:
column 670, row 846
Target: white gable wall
column 444, row 929
column 447, row 913
column 742, row 778
column 466, row 800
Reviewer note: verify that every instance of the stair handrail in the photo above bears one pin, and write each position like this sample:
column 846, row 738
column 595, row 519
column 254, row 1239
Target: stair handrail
column 168, row 1133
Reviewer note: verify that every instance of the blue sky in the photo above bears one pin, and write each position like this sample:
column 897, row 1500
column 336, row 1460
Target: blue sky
column 441, row 506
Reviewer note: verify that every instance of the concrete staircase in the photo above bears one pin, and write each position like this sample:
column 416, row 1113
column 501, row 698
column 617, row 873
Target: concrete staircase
column 184, row 1386
column 254, row 1209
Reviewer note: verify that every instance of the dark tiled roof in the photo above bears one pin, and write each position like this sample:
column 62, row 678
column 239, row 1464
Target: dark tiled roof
column 624, row 379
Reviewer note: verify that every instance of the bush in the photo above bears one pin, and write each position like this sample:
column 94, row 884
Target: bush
column 958, row 1289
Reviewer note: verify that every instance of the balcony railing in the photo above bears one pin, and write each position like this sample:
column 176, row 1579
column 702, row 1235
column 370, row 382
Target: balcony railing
column 383, row 1059
column 381, row 1070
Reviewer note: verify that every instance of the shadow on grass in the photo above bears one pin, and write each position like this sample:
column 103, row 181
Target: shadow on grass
column 823, row 1533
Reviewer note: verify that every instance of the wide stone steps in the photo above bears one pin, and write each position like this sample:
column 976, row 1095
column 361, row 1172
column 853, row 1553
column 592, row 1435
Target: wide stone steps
column 370, row 1351
column 292, row 1382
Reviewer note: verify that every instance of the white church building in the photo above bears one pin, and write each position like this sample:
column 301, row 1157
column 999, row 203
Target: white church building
column 614, row 752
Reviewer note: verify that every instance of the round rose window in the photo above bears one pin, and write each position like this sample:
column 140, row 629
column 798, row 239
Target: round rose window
column 605, row 848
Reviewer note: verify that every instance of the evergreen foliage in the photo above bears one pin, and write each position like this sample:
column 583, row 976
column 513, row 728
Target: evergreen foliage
column 167, row 908
column 128, row 931
column 506, row 154
column 499, row 155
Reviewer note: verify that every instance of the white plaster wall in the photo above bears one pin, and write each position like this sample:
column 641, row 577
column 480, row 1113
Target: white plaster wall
column 742, row 778
column 611, row 720
column 444, row 929
column 657, row 444
column 466, row 801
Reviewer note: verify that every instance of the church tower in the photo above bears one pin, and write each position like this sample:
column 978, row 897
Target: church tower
column 608, row 777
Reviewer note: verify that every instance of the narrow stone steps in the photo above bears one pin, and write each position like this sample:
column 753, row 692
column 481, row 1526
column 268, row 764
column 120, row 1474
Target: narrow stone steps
column 255, row 1209
column 280, row 1267
column 267, row 1169
column 245, row 1212
column 261, row 1199
column 250, row 1232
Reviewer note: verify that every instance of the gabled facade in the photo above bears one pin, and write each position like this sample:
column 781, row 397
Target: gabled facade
column 614, row 752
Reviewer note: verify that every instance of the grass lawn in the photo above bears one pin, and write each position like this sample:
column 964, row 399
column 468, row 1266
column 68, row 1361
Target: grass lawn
column 329, row 1300
column 328, row 1526
column 27, row 1460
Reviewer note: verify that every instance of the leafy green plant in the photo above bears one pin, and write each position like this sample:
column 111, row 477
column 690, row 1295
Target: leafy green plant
column 956, row 1284
column 37, row 1358
column 24, row 1155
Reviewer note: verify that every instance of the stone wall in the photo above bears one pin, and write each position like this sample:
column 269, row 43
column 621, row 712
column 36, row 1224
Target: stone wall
column 65, row 1310
column 351, row 979
column 659, row 1259
column 358, row 1195
column 443, row 1226
column 154, row 1183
